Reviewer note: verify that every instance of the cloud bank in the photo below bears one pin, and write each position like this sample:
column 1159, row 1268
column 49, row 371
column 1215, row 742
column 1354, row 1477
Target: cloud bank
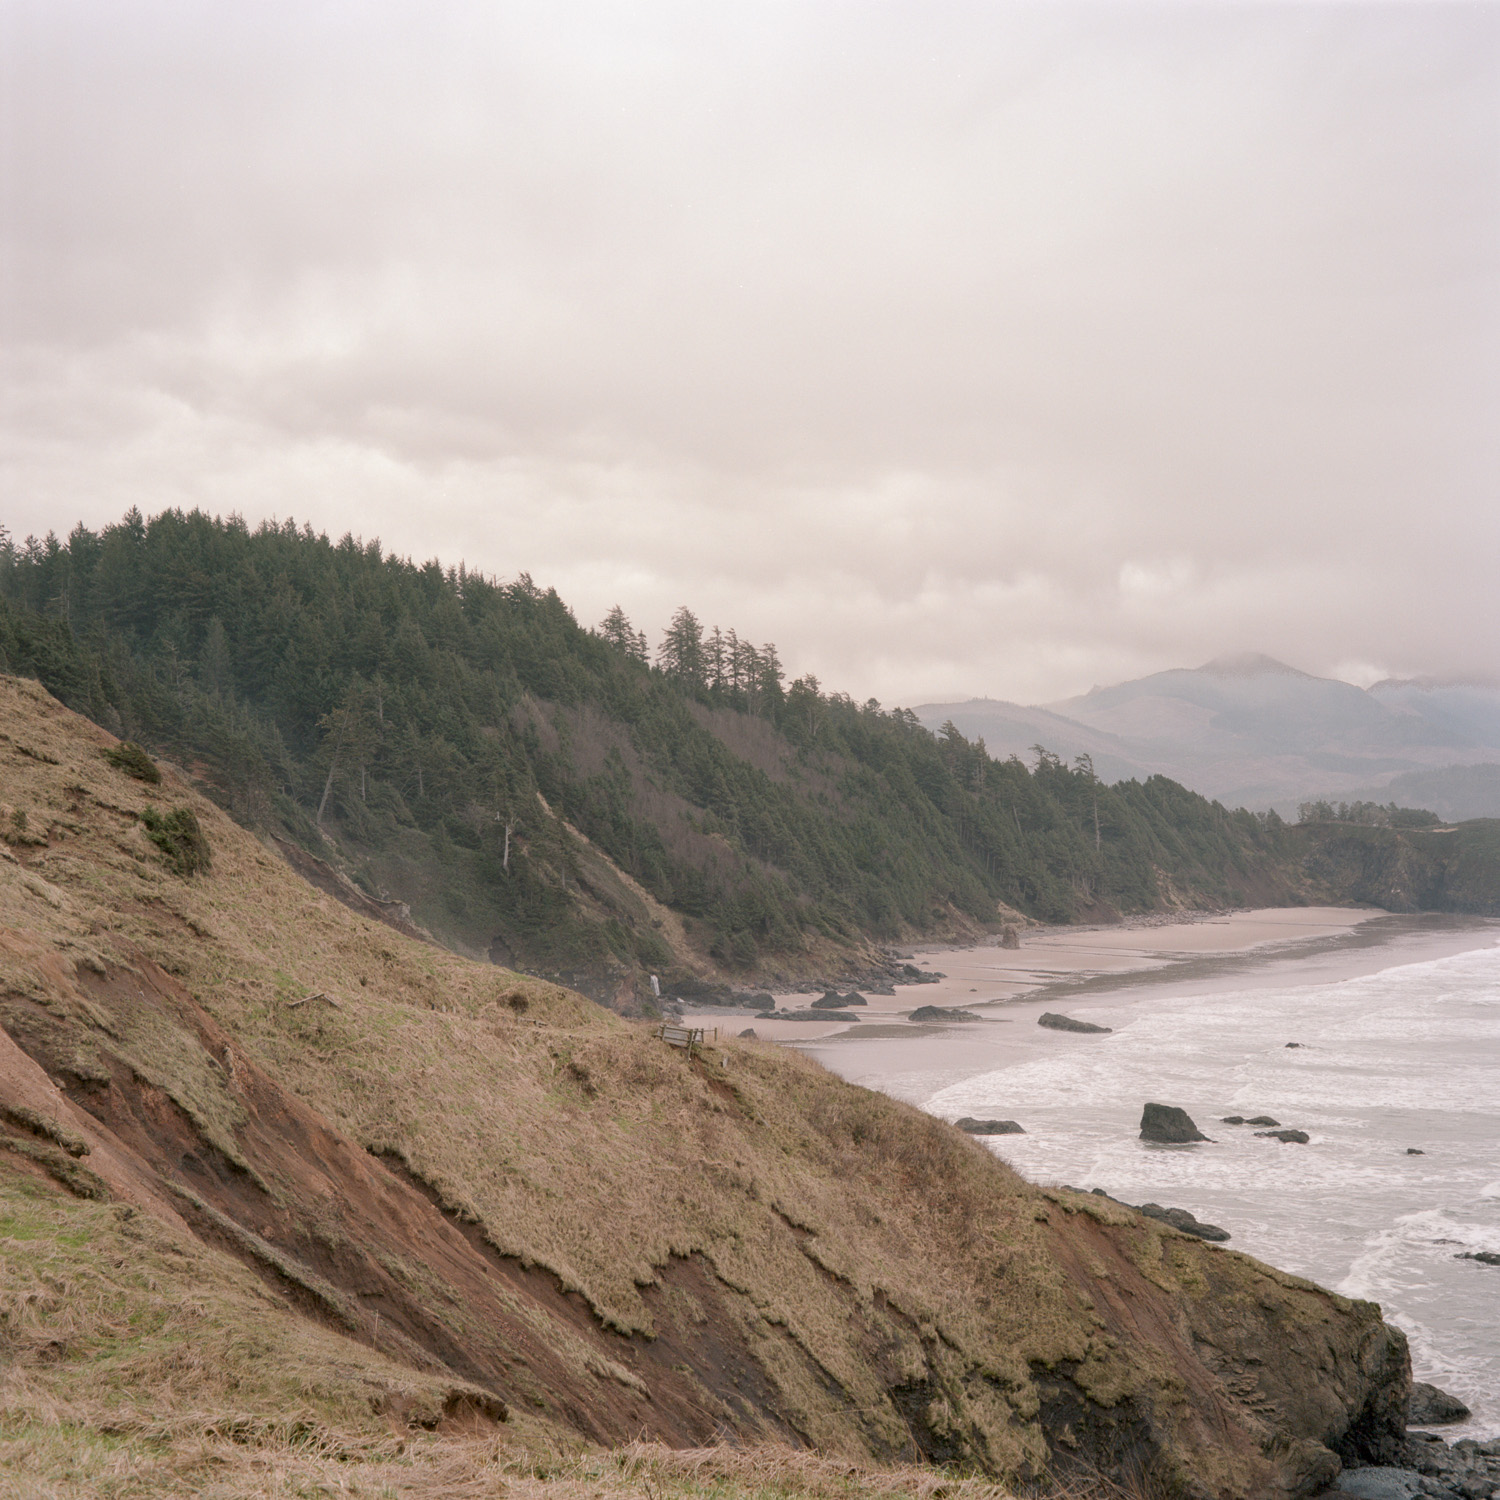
column 993, row 349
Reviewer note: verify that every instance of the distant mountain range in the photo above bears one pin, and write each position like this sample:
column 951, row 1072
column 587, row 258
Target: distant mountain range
column 1251, row 731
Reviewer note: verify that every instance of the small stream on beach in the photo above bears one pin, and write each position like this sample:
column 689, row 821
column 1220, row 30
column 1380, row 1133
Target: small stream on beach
column 1407, row 1056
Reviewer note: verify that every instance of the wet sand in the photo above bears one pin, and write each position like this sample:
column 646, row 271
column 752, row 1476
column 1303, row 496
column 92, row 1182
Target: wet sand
column 1064, row 967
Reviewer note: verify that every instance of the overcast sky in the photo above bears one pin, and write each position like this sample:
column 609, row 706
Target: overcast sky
column 960, row 349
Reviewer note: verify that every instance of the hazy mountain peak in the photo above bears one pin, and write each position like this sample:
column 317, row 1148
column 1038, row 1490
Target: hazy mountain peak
column 1249, row 664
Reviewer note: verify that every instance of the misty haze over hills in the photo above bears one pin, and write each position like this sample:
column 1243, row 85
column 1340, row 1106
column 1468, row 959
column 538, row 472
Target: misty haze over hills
column 1251, row 731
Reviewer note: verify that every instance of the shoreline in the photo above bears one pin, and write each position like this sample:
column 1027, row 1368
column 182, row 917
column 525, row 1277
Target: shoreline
column 1077, row 965
column 1357, row 1209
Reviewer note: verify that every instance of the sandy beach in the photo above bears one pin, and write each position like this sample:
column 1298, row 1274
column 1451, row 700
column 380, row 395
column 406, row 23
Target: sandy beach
column 1068, row 963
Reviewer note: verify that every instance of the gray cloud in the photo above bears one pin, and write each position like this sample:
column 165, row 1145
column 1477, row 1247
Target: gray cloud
column 957, row 348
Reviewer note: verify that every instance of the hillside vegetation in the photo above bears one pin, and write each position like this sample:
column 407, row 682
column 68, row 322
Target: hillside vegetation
column 291, row 1203
column 536, row 790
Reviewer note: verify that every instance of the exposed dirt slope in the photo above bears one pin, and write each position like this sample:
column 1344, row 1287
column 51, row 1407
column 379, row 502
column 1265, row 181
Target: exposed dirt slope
column 516, row 1209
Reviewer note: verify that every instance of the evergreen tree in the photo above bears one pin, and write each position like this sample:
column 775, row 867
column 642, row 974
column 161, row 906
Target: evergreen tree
column 681, row 653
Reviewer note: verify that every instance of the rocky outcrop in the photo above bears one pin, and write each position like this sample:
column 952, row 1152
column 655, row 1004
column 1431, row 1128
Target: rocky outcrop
column 1292, row 1137
column 1180, row 1218
column 911, row 974
column 832, row 1000
column 1166, row 1125
column 971, row 1126
column 1054, row 1022
column 1253, row 1120
column 1484, row 1257
column 806, row 1015
column 942, row 1013
column 1431, row 1469
column 1431, row 1407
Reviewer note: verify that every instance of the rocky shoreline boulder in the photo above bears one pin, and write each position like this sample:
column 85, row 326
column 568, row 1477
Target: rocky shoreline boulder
column 806, row 1015
column 1297, row 1137
column 971, row 1126
column 942, row 1013
column 1166, row 1125
column 1429, row 1469
column 1180, row 1218
column 1430, row 1407
column 832, row 1000
column 1054, row 1022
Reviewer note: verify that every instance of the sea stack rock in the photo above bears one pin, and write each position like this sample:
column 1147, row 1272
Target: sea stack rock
column 1067, row 1023
column 1294, row 1137
column 1167, row 1125
column 989, row 1127
column 1430, row 1407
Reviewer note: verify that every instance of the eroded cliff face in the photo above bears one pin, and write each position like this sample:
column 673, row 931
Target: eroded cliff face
column 518, row 1213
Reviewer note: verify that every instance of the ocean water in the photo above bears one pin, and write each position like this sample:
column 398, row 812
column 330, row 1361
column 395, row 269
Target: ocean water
column 1405, row 1057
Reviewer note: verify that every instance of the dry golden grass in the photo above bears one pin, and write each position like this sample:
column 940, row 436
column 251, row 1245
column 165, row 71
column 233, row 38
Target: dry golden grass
column 124, row 1339
column 68, row 1463
column 116, row 1323
column 846, row 1226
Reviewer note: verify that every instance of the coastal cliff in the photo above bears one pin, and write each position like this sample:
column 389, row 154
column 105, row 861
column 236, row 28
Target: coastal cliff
column 275, row 1170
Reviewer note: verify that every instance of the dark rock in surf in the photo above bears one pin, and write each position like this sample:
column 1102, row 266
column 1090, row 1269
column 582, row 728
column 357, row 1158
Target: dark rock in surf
column 942, row 1013
column 1263, row 1120
column 1067, row 1023
column 1292, row 1137
column 1232, row 1120
column 1167, row 1125
column 1414, row 1151
column 1430, row 1407
column 1180, row 1218
column 1484, row 1257
column 1296, row 1044
column 989, row 1127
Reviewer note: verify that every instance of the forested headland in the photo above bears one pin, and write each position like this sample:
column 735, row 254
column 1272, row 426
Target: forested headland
column 565, row 798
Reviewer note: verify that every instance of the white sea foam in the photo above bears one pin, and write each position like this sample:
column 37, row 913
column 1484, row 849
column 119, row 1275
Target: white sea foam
column 1408, row 1057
